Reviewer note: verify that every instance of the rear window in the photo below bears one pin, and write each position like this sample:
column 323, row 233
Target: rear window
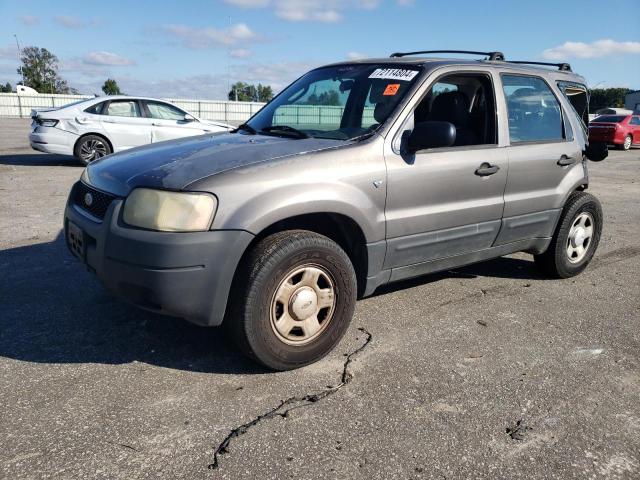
column 610, row 118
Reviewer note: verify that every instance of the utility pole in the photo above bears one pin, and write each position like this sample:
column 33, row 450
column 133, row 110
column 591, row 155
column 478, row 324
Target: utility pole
column 229, row 63
column 19, row 56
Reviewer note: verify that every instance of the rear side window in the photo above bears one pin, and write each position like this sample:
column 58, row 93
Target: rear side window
column 95, row 109
column 534, row 112
column 164, row 111
column 610, row 118
column 123, row 108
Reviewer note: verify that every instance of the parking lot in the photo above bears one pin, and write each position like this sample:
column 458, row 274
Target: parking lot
column 489, row 371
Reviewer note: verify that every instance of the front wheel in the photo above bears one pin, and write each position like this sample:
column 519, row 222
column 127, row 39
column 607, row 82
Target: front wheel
column 576, row 237
column 293, row 299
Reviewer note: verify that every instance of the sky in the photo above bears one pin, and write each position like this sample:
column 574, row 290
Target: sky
column 194, row 48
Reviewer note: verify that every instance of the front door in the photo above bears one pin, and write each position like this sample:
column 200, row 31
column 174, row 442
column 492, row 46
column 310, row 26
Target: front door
column 443, row 202
column 169, row 122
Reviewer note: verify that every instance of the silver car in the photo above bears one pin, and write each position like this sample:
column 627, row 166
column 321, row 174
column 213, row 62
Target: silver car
column 357, row 175
column 91, row 129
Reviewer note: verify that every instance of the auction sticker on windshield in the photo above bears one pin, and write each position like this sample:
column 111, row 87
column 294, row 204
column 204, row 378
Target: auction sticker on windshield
column 394, row 74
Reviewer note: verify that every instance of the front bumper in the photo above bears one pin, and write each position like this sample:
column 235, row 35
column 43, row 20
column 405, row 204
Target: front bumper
column 186, row 275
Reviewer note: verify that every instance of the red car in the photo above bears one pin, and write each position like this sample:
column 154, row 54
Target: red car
column 620, row 130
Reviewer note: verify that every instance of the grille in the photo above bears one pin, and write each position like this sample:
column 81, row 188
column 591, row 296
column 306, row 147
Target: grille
column 100, row 200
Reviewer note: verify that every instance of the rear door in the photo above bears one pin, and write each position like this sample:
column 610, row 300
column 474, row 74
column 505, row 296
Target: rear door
column 545, row 158
column 125, row 125
column 634, row 123
column 169, row 122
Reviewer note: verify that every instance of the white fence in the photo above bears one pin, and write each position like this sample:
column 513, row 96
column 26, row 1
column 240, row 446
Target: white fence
column 19, row 106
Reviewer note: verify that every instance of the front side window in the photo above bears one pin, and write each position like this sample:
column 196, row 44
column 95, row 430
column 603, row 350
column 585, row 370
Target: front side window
column 534, row 112
column 467, row 101
column 635, row 121
column 164, row 111
column 341, row 102
column 122, row 108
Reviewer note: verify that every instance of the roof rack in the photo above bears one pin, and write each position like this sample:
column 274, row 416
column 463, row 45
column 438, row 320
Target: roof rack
column 496, row 56
column 565, row 67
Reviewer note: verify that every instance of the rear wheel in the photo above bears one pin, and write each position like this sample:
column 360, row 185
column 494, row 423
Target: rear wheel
column 90, row 148
column 626, row 144
column 576, row 237
column 294, row 299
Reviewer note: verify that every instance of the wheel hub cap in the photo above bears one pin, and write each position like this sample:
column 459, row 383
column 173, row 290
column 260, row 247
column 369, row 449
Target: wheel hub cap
column 304, row 303
column 580, row 236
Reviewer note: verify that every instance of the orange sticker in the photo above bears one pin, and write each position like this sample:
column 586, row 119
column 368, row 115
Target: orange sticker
column 391, row 89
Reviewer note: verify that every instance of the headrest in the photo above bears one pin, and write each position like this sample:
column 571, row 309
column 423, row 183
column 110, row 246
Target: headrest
column 451, row 107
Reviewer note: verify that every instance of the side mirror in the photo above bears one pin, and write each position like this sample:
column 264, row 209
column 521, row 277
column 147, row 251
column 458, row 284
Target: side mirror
column 597, row 151
column 431, row 134
column 189, row 118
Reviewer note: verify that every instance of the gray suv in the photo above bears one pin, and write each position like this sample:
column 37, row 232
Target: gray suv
column 357, row 175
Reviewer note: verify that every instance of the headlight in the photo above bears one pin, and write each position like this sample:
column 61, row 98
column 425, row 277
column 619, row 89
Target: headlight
column 169, row 211
column 85, row 176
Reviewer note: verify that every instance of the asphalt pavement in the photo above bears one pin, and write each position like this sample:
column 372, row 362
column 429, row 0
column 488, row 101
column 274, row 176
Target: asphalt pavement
column 489, row 371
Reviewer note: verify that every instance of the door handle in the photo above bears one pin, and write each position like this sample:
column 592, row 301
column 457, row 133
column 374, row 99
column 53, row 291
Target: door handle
column 156, row 124
column 566, row 160
column 486, row 169
column 108, row 121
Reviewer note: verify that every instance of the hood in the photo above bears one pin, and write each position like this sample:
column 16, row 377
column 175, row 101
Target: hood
column 175, row 164
column 217, row 124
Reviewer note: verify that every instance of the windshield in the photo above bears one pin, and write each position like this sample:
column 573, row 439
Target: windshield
column 341, row 102
column 610, row 118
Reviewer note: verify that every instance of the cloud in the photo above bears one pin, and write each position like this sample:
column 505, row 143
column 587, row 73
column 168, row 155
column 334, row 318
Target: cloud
column 356, row 56
column 29, row 20
column 106, row 59
column 324, row 11
column 597, row 49
column 69, row 22
column 10, row 52
column 208, row 37
column 240, row 53
column 406, row 3
column 248, row 3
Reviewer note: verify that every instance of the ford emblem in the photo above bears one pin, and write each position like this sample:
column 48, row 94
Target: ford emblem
column 88, row 199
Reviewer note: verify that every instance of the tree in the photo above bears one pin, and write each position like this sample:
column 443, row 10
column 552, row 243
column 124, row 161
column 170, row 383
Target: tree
column 111, row 87
column 607, row 97
column 330, row 97
column 245, row 92
column 6, row 88
column 40, row 71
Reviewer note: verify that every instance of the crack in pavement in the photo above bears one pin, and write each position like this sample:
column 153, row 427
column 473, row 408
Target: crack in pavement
column 282, row 410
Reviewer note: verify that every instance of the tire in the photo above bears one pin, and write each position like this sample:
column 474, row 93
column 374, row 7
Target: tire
column 626, row 143
column 271, row 329
column 571, row 250
column 90, row 148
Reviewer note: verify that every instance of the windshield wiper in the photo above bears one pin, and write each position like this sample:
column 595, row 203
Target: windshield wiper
column 287, row 130
column 247, row 128
column 363, row 136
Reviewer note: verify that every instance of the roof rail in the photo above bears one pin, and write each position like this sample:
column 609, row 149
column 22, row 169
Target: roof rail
column 565, row 67
column 499, row 56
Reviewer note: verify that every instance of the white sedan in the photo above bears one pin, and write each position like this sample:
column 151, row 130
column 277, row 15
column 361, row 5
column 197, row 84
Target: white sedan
column 93, row 128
